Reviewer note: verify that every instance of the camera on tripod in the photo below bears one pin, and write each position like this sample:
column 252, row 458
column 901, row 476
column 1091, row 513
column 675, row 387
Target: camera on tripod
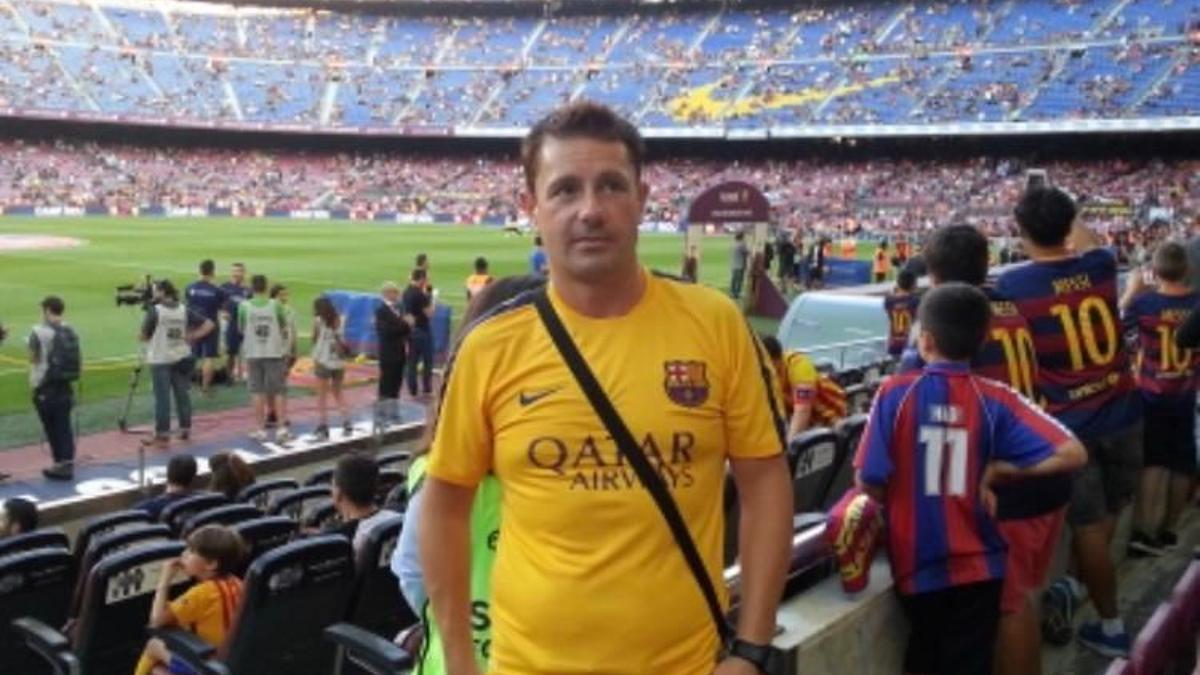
column 136, row 294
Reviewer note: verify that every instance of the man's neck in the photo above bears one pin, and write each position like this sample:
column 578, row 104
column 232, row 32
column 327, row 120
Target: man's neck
column 356, row 512
column 53, row 320
column 173, row 489
column 604, row 300
column 1048, row 253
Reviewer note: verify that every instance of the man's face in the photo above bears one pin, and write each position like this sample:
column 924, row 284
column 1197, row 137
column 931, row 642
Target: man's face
column 237, row 274
column 586, row 204
column 282, row 297
column 391, row 295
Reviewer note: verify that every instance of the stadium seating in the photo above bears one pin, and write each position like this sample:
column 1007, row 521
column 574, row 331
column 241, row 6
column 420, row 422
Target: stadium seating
column 848, row 432
column 37, row 584
column 109, row 634
column 264, row 534
column 110, row 543
column 1154, row 646
column 303, row 586
column 105, row 524
column 50, row 537
column 177, row 512
column 812, row 456
column 881, row 63
column 51, row 647
column 320, row 515
column 262, row 493
column 298, row 504
column 378, row 605
column 321, row 477
column 227, row 514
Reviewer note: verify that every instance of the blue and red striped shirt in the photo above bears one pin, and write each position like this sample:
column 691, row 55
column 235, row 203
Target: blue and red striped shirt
column 1166, row 374
column 1083, row 366
column 930, row 436
column 901, row 312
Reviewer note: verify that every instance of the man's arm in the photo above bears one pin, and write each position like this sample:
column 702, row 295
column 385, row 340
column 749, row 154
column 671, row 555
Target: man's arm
column 801, row 418
column 149, row 323
column 1133, row 288
column 446, row 559
column 1082, row 238
column 764, row 542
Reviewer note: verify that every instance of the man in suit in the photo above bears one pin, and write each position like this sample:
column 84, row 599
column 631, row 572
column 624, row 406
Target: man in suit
column 392, row 330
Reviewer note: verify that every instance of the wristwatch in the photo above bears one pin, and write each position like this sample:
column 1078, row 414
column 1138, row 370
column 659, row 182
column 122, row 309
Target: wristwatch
column 760, row 656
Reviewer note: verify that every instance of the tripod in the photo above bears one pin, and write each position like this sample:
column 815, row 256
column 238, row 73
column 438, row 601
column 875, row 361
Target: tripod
column 134, row 378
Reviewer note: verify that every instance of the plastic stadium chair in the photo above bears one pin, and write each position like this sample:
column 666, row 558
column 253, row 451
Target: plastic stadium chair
column 297, row 503
column 262, row 535
column 848, row 431
column 35, row 584
column 105, row 524
column 177, row 512
column 858, row 398
column 50, row 537
column 1155, row 643
column 321, row 515
column 394, row 460
column 322, row 477
column 812, row 456
column 378, row 605
column 388, row 480
column 291, row 595
column 49, row 645
column 109, row 544
column 397, row 499
column 221, row 515
column 110, row 631
column 262, row 493
column 849, row 377
column 367, row 651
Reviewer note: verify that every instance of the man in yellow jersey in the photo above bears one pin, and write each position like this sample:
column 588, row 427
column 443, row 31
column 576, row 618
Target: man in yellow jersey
column 588, row 577
column 797, row 384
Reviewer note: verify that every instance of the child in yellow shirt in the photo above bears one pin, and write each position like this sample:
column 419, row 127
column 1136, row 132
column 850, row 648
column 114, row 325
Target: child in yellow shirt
column 209, row 607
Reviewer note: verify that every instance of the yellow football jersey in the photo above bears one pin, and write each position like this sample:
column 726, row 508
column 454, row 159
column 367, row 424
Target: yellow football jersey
column 587, row 576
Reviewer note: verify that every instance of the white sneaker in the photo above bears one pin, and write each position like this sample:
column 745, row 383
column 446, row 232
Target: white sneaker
column 283, row 435
column 259, row 435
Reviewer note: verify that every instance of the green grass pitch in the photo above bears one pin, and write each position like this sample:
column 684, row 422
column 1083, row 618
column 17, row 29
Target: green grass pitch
column 309, row 257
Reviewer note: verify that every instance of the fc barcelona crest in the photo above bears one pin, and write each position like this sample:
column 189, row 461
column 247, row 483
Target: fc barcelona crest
column 686, row 382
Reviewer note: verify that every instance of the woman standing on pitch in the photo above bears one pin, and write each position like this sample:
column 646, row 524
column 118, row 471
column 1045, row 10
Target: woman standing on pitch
column 329, row 352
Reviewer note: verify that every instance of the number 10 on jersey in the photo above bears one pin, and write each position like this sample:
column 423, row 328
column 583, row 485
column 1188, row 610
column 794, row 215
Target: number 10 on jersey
column 945, row 460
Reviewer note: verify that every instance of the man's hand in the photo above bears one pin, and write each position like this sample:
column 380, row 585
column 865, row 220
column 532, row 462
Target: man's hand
column 169, row 569
column 733, row 665
column 996, row 473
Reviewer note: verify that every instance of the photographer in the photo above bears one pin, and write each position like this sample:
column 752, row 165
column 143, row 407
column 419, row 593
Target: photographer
column 55, row 363
column 169, row 330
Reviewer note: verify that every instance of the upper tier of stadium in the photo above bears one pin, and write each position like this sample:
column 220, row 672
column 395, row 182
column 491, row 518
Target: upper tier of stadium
column 785, row 71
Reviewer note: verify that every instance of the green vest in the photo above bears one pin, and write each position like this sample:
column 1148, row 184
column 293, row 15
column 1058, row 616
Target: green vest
column 485, row 535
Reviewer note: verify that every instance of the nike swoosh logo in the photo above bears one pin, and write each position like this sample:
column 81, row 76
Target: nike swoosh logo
column 529, row 398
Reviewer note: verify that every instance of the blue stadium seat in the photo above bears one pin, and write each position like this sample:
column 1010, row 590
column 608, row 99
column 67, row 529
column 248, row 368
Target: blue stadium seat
column 366, row 650
column 264, row 534
column 35, row 584
column 297, row 503
column 394, row 460
column 111, row 522
column 227, row 514
column 291, row 595
column 177, row 512
column 848, row 432
column 319, row 477
column 51, row 647
column 322, row 514
column 378, row 605
column 49, row 537
column 111, row 543
column 110, row 631
column 812, row 456
column 262, row 493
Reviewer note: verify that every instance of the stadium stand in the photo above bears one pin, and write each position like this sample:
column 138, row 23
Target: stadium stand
column 858, row 63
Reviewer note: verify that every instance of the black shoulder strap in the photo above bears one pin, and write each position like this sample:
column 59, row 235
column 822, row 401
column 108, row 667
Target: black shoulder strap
column 629, row 449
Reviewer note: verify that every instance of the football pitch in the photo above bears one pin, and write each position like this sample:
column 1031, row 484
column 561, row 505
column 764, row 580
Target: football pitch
column 308, row 257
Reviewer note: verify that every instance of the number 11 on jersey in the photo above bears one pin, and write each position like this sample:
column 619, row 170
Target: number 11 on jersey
column 945, row 472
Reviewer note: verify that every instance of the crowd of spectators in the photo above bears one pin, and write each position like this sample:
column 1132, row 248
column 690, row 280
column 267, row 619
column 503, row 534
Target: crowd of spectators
column 886, row 195
column 866, row 63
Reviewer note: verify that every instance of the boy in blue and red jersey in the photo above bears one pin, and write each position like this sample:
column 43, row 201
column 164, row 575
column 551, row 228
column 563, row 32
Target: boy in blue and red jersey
column 1068, row 293
column 1166, row 378
column 937, row 443
column 1029, row 513
column 901, row 308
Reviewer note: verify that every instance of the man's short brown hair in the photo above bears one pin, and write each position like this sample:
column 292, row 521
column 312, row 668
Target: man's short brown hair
column 1170, row 261
column 582, row 119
